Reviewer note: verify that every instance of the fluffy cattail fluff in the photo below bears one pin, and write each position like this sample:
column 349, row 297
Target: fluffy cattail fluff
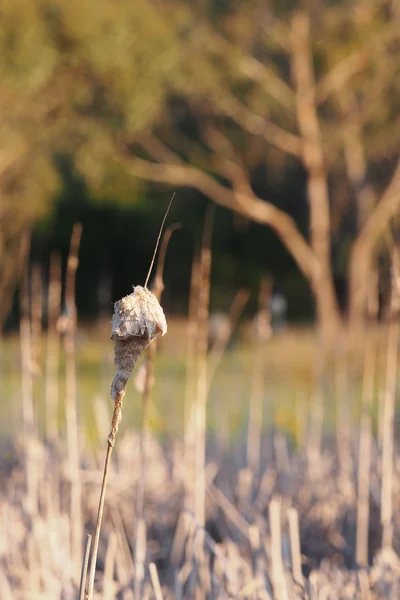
column 137, row 320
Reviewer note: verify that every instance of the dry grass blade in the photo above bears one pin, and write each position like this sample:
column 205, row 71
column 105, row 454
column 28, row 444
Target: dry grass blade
column 85, row 565
column 158, row 240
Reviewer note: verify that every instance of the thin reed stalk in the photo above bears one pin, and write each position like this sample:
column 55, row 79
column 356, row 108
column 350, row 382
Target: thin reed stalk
column 71, row 398
column 343, row 424
column 201, row 384
column 53, row 349
column 26, row 355
column 155, row 581
column 389, row 406
column 37, row 316
column 190, row 381
column 222, row 339
column 278, row 572
column 316, row 410
column 365, row 442
column 263, row 332
column 85, row 564
column 28, row 415
column 295, row 550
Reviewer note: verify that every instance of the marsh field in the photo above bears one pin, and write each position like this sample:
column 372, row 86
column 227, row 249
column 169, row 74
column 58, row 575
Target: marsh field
column 297, row 474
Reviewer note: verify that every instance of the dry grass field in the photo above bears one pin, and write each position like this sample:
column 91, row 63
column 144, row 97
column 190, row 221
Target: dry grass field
column 289, row 520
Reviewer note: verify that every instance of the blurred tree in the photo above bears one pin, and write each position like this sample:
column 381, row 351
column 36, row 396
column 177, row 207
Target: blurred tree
column 295, row 84
column 230, row 99
column 27, row 110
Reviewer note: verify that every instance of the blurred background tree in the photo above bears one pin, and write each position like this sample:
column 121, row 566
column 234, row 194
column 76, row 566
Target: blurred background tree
column 289, row 119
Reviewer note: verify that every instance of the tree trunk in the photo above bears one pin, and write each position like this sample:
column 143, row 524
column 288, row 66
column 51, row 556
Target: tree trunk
column 317, row 184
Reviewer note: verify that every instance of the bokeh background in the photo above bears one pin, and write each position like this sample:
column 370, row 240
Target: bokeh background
column 257, row 456
column 89, row 89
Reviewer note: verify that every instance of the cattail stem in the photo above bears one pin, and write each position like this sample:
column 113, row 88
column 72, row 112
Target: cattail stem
column 138, row 319
column 111, row 443
column 93, row 561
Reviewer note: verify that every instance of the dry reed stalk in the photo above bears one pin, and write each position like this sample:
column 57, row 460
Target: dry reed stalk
column 295, row 551
column 316, row 410
column 155, row 581
column 37, row 315
column 389, row 406
column 53, row 349
column 278, row 572
column 364, row 585
column 179, row 538
column 71, row 398
column 364, row 453
column 223, row 336
column 229, row 509
column 140, row 558
column 300, row 401
column 190, row 381
column 343, row 432
column 257, row 381
column 26, row 354
column 124, row 563
column 85, row 565
column 28, row 415
column 201, row 384
column 157, row 291
column 138, row 319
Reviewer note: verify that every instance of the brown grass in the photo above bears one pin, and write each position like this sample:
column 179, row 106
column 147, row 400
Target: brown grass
column 312, row 520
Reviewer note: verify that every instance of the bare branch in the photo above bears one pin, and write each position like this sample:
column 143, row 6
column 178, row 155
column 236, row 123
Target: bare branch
column 354, row 154
column 159, row 151
column 254, row 69
column 258, row 125
column 338, row 77
column 245, row 204
column 225, row 160
column 383, row 212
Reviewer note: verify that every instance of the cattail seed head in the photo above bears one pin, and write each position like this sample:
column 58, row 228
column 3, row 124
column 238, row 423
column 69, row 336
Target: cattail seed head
column 137, row 320
column 138, row 315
